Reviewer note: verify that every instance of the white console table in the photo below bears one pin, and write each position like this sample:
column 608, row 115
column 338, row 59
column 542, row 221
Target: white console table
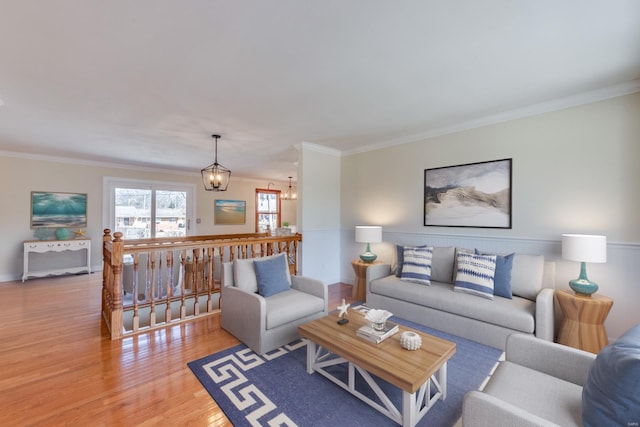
column 45, row 246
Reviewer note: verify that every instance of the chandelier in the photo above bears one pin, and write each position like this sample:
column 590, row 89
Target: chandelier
column 289, row 194
column 215, row 176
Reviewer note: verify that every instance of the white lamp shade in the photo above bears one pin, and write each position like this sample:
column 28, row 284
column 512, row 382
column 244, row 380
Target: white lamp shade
column 584, row 248
column 368, row 234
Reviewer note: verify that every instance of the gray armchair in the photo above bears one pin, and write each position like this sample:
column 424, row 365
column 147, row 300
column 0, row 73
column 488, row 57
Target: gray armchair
column 546, row 384
column 539, row 384
column 265, row 324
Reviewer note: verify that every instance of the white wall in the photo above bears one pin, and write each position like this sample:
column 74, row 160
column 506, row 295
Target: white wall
column 19, row 175
column 319, row 212
column 574, row 171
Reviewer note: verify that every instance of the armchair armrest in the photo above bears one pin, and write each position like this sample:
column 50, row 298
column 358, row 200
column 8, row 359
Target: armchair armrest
column 312, row 286
column 560, row 361
column 243, row 314
column 483, row 410
column 545, row 322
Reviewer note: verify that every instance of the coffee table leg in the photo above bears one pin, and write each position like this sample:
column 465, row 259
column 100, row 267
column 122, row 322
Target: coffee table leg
column 409, row 413
column 441, row 377
column 311, row 355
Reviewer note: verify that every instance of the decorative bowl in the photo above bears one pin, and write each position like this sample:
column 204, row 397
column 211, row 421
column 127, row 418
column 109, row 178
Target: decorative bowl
column 410, row 340
column 377, row 316
column 62, row 233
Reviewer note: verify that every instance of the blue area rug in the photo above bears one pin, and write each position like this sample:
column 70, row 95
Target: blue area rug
column 275, row 389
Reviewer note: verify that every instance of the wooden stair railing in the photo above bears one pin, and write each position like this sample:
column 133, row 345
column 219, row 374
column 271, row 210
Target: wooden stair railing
column 152, row 283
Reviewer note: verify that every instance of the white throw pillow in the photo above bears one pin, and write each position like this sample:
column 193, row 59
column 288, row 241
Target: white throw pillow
column 475, row 274
column 244, row 275
column 417, row 265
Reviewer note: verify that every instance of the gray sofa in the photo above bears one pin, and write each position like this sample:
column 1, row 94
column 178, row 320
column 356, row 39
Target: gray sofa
column 529, row 311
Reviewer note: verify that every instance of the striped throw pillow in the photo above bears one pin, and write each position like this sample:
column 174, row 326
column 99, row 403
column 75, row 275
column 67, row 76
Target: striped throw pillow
column 475, row 274
column 416, row 266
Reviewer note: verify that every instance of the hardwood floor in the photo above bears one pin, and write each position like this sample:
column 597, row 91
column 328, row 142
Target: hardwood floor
column 59, row 366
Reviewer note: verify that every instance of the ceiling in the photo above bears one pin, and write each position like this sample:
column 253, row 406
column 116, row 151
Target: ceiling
column 145, row 83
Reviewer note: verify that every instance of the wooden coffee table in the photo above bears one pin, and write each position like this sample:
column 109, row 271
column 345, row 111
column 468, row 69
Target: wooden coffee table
column 420, row 374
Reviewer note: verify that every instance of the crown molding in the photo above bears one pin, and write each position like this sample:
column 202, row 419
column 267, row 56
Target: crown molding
column 622, row 89
column 319, row 148
column 93, row 163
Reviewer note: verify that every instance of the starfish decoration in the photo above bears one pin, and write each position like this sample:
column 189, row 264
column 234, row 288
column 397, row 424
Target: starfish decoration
column 343, row 308
column 79, row 233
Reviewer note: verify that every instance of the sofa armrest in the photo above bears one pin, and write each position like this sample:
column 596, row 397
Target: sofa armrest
column 313, row 287
column 560, row 361
column 376, row 271
column 545, row 322
column 243, row 314
column 483, row 410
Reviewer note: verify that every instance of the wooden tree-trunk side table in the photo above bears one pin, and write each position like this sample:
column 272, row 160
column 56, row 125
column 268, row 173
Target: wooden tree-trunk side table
column 359, row 292
column 583, row 323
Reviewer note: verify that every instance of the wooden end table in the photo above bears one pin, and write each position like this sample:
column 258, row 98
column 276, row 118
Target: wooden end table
column 359, row 292
column 583, row 323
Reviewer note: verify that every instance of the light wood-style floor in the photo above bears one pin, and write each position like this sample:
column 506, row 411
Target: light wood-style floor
column 60, row 368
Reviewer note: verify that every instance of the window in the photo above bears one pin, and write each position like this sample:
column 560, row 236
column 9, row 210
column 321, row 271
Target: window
column 143, row 209
column 267, row 210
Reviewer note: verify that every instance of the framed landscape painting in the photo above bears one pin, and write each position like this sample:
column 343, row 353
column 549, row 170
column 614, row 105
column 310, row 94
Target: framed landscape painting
column 58, row 210
column 227, row 212
column 469, row 195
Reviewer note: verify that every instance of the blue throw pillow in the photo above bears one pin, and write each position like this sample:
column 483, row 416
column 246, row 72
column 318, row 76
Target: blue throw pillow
column 271, row 274
column 611, row 395
column 475, row 274
column 502, row 278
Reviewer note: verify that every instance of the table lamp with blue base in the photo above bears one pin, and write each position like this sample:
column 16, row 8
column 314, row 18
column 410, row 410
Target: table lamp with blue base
column 584, row 248
column 368, row 234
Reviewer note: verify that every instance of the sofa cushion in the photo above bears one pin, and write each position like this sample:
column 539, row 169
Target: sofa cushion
column 533, row 391
column 502, row 278
column 416, row 266
column 475, row 274
column 289, row 306
column 526, row 275
column 517, row 314
column 271, row 275
column 611, row 395
column 442, row 263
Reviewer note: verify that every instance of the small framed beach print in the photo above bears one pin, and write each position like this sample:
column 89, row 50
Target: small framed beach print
column 229, row 212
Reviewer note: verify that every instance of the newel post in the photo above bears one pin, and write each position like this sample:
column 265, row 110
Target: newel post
column 117, row 255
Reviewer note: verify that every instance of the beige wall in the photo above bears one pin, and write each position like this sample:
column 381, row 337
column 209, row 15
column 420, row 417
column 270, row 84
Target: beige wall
column 574, row 171
column 19, row 176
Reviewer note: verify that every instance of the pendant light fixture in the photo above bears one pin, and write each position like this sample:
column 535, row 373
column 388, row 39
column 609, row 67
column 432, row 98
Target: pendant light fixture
column 289, row 194
column 215, row 177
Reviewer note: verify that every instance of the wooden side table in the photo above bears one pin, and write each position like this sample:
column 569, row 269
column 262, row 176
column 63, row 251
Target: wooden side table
column 583, row 323
column 359, row 292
